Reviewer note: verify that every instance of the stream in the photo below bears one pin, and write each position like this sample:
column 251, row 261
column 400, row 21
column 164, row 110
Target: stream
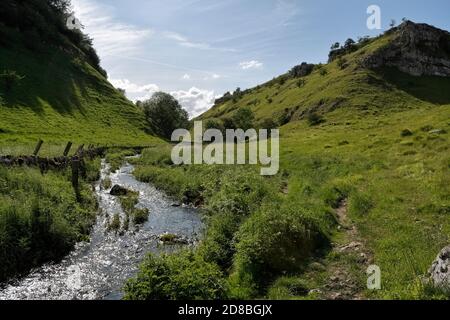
column 99, row 269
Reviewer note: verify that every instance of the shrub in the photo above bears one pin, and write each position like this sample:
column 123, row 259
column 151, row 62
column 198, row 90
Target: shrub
column 181, row 276
column 314, row 119
column 342, row 63
column 214, row 124
column 218, row 246
column 301, row 83
column 140, row 216
column 274, row 241
column 406, row 133
column 323, row 72
column 244, row 118
column 114, row 223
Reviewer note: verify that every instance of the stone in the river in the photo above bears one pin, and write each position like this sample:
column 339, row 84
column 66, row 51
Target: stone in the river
column 440, row 270
column 118, row 191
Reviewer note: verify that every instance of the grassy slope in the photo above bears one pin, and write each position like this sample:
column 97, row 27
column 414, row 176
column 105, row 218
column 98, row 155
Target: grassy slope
column 61, row 99
column 397, row 186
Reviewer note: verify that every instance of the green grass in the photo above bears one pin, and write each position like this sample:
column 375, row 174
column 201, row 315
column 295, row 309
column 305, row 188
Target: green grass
column 60, row 99
column 40, row 218
column 396, row 184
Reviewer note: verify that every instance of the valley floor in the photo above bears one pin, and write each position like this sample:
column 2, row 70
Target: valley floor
column 354, row 191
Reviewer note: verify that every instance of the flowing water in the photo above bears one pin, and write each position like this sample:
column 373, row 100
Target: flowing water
column 100, row 268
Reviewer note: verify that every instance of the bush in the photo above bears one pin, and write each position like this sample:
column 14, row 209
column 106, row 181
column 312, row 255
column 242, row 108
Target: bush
column 244, row 119
column 181, row 276
column 273, row 242
column 214, row 124
column 342, row 63
column 314, row 119
column 406, row 133
column 218, row 246
column 323, row 72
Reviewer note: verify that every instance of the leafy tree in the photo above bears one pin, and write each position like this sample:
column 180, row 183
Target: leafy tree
column 244, row 118
column 349, row 43
column 164, row 114
column 228, row 123
column 335, row 46
column 214, row 124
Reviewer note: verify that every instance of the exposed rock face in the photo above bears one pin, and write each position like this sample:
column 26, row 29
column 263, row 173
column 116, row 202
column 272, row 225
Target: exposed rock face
column 417, row 49
column 302, row 70
column 440, row 270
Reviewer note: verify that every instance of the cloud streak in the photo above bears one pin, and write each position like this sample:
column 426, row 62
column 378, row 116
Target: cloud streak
column 109, row 36
column 253, row 64
column 185, row 42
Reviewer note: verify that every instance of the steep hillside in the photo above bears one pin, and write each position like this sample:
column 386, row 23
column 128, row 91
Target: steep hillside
column 52, row 86
column 364, row 182
column 364, row 78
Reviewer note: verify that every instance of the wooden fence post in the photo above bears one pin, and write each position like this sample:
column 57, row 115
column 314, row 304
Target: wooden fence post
column 75, row 173
column 80, row 149
column 68, row 147
column 38, row 148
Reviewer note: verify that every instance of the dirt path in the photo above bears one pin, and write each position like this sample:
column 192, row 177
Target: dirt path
column 347, row 271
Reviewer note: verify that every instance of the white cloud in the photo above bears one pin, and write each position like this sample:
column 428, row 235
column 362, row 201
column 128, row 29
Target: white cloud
column 253, row 64
column 134, row 91
column 186, row 77
column 185, row 42
column 131, row 87
column 195, row 101
column 110, row 37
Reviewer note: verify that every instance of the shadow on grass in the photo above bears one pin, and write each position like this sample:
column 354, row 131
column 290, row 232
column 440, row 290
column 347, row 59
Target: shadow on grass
column 431, row 89
column 49, row 78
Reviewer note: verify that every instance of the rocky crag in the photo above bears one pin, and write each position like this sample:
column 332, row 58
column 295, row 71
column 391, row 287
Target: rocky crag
column 416, row 49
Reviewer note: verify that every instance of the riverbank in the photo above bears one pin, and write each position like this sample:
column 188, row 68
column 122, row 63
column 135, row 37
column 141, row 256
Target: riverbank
column 98, row 268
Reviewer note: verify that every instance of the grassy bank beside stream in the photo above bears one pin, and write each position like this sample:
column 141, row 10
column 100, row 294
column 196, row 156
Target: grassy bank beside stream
column 40, row 218
column 273, row 236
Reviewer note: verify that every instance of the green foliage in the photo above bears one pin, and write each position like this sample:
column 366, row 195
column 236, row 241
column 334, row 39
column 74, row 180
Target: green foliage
column 288, row 288
column 244, row 119
column 40, row 218
column 114, row 224
column 164, row 114
column 181, row 276
column 275, row 241
column 314, row 119
column 214, row 124
column 140, row 216
column 360, row 204
column 406, row 133
column 116, row 157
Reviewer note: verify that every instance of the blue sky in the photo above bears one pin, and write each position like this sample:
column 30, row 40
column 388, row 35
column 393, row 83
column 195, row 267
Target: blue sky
column 199, row 49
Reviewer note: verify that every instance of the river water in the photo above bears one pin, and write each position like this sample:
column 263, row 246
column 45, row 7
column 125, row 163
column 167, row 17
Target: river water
column 100, row 268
